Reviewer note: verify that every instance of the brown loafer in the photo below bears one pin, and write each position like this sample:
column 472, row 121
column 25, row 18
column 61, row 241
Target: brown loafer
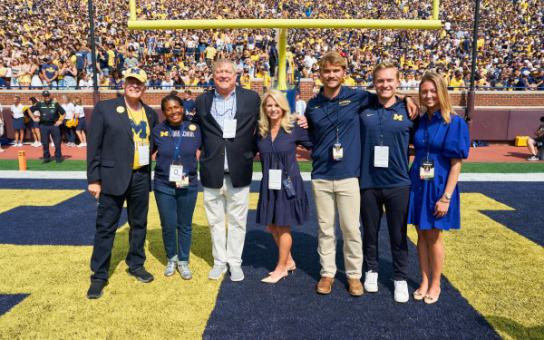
column 324, row 285
column 355, row 287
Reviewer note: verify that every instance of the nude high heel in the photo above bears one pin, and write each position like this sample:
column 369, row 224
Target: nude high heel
column 271, row 280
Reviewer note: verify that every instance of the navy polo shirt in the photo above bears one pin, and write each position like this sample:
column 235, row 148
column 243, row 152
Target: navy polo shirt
column 397, row 130
column 166, row 149
column 324, row 117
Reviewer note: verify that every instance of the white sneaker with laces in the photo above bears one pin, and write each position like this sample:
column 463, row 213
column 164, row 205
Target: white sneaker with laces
column 371, row 281
column 401, row 291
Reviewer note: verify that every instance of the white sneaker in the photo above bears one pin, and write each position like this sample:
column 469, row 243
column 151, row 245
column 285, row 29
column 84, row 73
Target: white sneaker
column 371, row 281
column 38, row 144
column 52, row 145
column 82, row 145
column 2, row 150
column 401, row 291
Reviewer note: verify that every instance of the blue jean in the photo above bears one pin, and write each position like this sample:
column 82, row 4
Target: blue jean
column 176, row 207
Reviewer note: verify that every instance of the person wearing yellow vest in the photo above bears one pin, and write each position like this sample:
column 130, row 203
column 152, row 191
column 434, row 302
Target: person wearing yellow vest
column 119, row 148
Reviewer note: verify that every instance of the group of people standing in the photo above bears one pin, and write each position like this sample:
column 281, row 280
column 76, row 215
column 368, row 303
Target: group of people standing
column 359, row 145
column 45, row 118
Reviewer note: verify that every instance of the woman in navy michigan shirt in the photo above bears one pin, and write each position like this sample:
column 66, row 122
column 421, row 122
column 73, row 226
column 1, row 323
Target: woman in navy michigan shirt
column 441, row 142
column 176, row 183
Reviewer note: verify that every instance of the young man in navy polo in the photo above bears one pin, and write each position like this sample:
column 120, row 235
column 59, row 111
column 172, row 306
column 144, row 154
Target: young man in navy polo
column 386, row 130
column 333, row 115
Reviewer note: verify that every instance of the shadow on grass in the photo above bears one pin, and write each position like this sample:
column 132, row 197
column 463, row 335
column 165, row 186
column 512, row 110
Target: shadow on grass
column 201, row 244
column 119, row 251
column 514, row 329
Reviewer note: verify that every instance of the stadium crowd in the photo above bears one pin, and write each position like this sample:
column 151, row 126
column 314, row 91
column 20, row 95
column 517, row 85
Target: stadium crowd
column 46, row 44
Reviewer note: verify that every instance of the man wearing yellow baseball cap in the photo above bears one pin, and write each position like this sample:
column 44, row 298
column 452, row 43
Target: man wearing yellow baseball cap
column 119, row 147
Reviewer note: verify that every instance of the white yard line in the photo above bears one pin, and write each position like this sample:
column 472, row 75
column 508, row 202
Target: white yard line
column 464, row 177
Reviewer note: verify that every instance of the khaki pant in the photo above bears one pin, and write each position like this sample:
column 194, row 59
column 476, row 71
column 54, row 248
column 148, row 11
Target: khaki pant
column 344, row 194
column 234, row 202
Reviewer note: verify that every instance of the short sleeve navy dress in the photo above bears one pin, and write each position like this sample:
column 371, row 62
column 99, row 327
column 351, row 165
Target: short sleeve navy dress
column 274, row 206
column 447, row 141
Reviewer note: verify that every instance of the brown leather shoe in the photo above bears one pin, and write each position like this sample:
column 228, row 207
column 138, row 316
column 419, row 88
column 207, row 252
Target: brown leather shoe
column 324, row 285
column 355, row 287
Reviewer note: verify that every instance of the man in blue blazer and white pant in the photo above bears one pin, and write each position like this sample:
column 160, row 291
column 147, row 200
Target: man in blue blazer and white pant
column 228, row 117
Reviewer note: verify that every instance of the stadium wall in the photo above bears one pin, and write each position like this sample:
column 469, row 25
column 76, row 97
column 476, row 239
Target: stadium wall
column 499, row 116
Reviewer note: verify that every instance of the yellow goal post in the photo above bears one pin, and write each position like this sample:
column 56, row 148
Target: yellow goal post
column 283, row 25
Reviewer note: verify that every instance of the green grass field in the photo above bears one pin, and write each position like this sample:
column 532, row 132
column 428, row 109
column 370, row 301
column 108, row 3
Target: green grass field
column 306, row 166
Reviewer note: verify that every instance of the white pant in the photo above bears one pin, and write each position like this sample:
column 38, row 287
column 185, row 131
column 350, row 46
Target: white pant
column 234, row 202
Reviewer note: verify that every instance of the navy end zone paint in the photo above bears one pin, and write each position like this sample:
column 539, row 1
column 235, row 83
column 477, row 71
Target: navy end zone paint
column 292, row 309
column 7, row 302
column 526, row 197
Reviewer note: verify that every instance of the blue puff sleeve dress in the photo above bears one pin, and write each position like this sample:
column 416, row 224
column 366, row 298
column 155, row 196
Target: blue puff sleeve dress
column 447, row 141
column 274, row 206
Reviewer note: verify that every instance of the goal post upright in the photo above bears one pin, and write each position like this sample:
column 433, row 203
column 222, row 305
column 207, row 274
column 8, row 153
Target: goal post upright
column 283, row 25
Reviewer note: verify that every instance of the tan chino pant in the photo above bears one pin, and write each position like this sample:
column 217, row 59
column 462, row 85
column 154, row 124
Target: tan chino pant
column 343, row 194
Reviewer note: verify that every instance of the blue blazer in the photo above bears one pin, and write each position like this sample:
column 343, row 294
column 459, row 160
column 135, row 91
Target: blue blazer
column 110, row 145
column 239, row 149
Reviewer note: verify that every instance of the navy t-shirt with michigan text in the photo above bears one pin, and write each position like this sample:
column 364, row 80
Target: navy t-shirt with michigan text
column 325, row 116
column 394, row 124
column 166, row 141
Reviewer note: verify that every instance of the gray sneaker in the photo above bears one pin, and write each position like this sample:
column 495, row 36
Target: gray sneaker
column 236, row 273
column 533, row 158
column 217, row 272
column 401, row 291
column 184, row 270
column 170, row 268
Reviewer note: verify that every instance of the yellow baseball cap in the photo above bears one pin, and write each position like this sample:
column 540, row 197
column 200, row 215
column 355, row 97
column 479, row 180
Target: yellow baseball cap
column 136, row 73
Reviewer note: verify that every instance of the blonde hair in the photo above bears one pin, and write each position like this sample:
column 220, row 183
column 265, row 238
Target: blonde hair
column 385, row 65
column 446, row 109
column 77, row 100
column 287, row 121
column 333, row 58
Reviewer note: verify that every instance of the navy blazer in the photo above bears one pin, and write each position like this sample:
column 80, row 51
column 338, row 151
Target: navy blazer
column 239, row 149
column 110, row 145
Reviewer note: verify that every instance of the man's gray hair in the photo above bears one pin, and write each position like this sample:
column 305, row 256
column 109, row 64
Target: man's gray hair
column 222, row 62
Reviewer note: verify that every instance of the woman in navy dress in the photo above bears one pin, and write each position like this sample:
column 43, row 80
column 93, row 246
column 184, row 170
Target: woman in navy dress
column 277, row 139
column 441, row 142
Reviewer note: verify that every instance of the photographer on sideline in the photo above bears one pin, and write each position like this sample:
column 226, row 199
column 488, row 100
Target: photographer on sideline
column 536, row 142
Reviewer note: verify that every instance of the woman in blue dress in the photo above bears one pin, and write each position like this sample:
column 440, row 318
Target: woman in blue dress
column 282, row 198
column 441, row 142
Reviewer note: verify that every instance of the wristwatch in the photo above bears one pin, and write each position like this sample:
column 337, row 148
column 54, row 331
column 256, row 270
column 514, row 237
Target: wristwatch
column 448, row 196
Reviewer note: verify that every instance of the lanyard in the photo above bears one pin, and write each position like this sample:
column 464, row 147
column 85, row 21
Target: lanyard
column 328, row 115
column 232, row 113
column 428, row 138
column 177, row 155
column 276, row 158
